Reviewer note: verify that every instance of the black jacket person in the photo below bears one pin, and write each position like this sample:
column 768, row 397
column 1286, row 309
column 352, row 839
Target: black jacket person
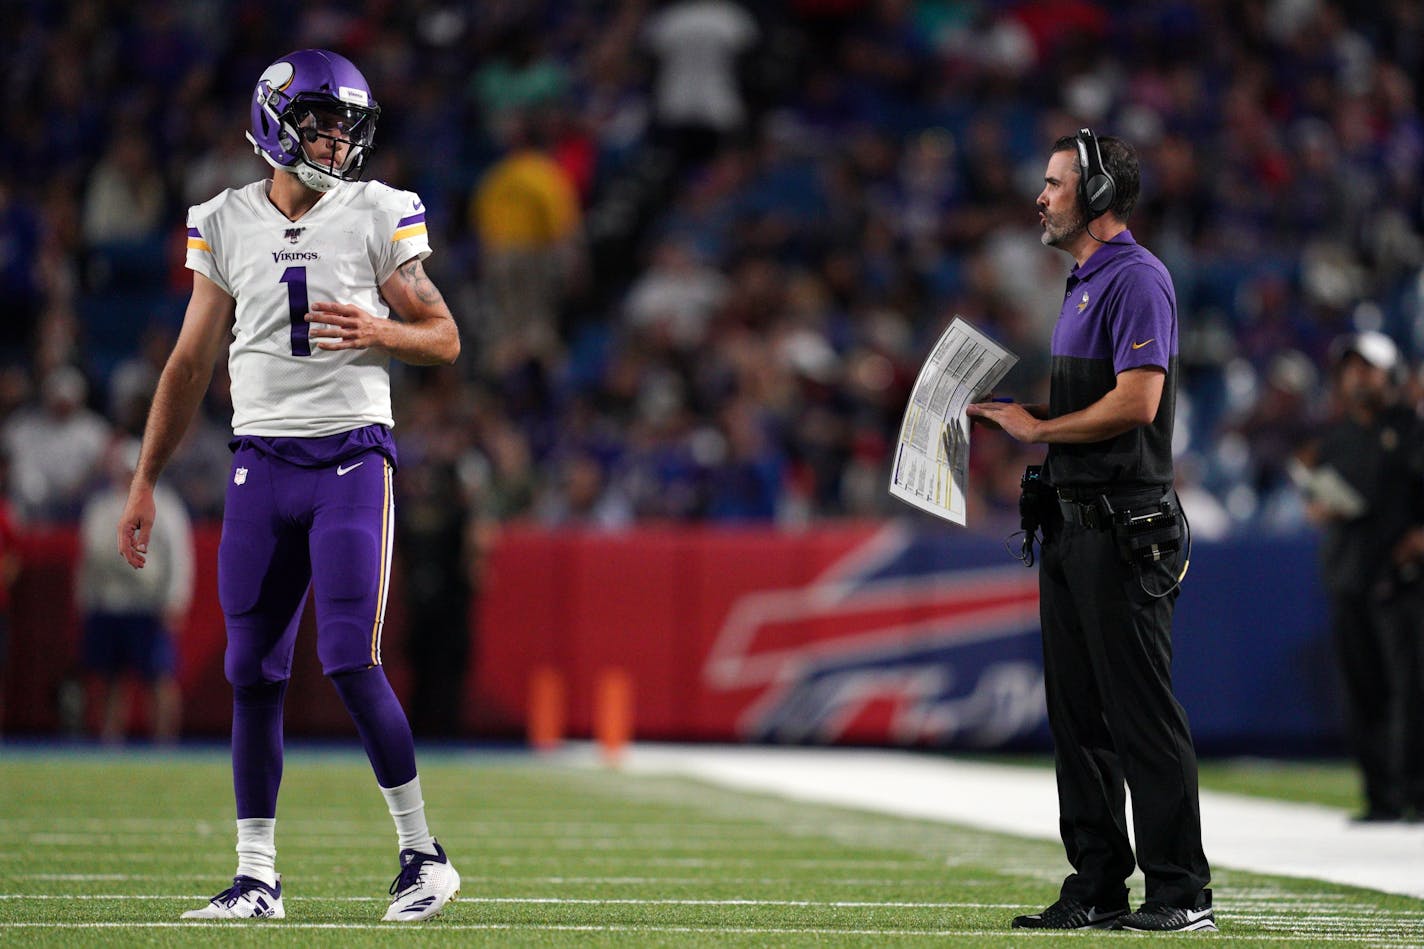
column 1366, row 491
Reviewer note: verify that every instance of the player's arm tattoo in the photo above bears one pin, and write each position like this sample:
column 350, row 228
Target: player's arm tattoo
column 425, row 291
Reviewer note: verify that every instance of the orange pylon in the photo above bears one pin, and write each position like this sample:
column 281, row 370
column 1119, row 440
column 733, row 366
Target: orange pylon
column 613, row 712
column 546, row 708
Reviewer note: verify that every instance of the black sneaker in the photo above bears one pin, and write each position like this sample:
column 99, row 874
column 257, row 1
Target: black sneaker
column 1068, row 913
column 1160, row 918
column 1378, row 815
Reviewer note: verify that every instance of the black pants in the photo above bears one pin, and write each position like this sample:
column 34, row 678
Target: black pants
column 1382, row 670
column 1405, row 636
column 1107, row 655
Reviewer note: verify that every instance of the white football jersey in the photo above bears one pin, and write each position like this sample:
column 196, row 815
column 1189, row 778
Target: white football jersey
column 342, row 250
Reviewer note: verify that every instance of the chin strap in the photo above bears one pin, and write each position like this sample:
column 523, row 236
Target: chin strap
column 314, row 178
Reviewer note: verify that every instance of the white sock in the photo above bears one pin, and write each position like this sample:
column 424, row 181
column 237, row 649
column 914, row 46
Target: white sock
column 407, row 809
column 257, row 849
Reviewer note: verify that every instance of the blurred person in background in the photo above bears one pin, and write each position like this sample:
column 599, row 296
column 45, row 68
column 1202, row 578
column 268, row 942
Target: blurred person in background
column 133, row 378
column 1107, row 596
column 225, row 162
column 55, row 448
column 124, row 199
column 131, row 619
column 1363, row 479
column 434, row 513
column 581, row 494
column 201, row 465
column 1283, row 416
column 698, row 104
column 747, row 479
column 312, row 280
column 1209, row 518
column 677, row 296
column 518, row 75
column 526, row 214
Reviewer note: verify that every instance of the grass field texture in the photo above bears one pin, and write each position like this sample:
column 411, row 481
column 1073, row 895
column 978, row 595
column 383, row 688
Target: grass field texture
column 108, row 849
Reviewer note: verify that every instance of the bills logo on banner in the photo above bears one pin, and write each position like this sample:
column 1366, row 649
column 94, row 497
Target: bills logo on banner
column 909, row 638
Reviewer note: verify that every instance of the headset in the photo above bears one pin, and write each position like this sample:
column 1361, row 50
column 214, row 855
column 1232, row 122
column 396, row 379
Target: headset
column 1096, row 188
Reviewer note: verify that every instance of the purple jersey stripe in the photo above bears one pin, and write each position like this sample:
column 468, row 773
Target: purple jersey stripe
column 413, row 219
column 193, row 232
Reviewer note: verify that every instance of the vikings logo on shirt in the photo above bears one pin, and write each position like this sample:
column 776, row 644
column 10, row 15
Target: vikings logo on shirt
column 1083, row 304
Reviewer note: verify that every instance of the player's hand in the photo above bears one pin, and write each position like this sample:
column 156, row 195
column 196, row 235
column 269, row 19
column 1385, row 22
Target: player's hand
column 344, row 326
column 135, row 526
column 1009, row 416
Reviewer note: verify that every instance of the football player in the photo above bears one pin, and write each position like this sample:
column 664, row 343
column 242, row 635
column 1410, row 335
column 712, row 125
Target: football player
column 298, row 275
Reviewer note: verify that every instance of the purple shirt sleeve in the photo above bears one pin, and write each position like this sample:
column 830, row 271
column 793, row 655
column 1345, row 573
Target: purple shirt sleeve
column 1144, row 327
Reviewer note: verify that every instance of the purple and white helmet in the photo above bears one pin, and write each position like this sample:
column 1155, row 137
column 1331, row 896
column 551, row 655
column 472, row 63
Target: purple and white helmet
column 311, row 96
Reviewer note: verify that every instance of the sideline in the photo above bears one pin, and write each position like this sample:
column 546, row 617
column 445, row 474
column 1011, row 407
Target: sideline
column 1247, row 833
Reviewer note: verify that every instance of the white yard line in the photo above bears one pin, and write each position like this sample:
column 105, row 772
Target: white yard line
column 1016, row 936
column 542, row 901
column 1277, row 837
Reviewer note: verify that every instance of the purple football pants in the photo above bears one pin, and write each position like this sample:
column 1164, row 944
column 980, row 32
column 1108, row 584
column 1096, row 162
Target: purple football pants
column 288, row 529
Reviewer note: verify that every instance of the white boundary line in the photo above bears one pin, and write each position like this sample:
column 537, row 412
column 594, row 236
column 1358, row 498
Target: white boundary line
column 1256, row 834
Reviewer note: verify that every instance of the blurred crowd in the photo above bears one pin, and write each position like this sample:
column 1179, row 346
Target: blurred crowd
column 698, row 249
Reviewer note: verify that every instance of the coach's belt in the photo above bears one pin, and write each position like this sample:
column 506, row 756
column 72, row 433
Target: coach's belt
column 1082, row 506
column 1083, row 513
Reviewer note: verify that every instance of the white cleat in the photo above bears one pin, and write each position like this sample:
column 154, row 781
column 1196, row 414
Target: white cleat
column 247, row 898
column 425, row 884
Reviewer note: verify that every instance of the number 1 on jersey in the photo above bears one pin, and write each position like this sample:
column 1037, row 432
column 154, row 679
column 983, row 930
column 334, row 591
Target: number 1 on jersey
column 297, row 307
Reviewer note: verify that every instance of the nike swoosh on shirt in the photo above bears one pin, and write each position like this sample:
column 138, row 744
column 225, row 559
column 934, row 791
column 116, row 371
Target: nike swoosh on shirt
column 343, row 470
column 1143, row 343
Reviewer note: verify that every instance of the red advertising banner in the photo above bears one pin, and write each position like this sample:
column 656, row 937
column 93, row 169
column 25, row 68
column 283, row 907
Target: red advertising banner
column 865, row 633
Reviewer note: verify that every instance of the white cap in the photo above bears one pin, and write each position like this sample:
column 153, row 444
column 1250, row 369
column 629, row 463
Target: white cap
column 1373, row 347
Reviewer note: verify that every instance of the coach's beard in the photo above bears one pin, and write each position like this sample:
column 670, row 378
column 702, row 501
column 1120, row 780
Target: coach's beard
column 1056, row 230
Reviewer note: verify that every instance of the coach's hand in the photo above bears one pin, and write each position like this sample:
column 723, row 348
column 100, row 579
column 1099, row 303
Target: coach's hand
column 976, row 418
column 1009, row 416
column 345, row 326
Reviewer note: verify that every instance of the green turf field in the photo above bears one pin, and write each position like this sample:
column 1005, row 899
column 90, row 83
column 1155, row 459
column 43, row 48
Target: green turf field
column 108, row 849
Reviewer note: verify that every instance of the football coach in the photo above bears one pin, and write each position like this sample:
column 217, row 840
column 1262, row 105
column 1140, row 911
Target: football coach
column 1115, row 549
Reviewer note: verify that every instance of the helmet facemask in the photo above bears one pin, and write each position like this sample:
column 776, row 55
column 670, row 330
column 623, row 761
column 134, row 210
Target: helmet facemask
column 333, row 139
